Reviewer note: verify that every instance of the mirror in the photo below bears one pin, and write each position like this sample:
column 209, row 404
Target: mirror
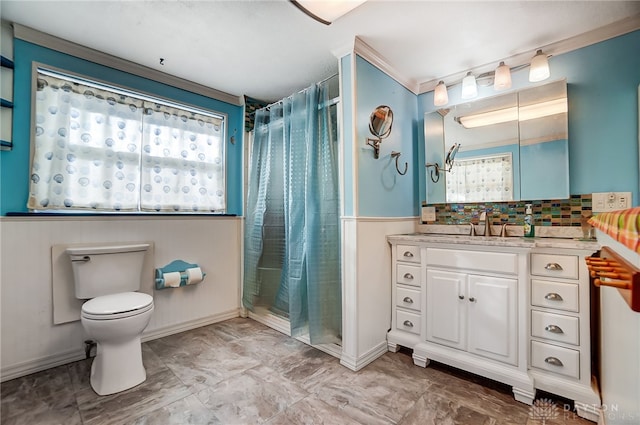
column 380, row 123
column 511, row 147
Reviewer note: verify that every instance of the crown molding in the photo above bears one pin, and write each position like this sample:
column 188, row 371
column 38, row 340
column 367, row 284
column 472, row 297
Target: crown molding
column 52, row 42
column 597, row 35
column 376, row 59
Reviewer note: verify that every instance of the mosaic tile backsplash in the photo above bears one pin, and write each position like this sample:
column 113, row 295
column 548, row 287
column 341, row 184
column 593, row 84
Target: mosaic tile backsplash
column 562, row 212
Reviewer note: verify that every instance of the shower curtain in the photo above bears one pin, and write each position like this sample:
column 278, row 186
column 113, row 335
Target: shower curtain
column 292, row 233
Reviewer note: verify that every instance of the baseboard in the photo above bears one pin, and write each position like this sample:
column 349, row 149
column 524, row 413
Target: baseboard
column 191, row 324
column 48, row 362
column 271, row 320
column 357, row 363
column 40, row 364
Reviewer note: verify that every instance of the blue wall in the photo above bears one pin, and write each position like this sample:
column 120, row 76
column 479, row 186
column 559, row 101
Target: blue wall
column 14, row 164
column 382, row 192
column 603, row 84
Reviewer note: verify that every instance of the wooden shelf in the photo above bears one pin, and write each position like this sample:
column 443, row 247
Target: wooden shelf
column 5, row 62
column 612, row 270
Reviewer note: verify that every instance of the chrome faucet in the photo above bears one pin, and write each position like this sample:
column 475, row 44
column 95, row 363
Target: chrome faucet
column 472, row 230
column 487, row 223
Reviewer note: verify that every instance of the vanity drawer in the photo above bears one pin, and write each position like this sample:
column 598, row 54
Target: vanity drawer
column 562, row 361
column 408, row 253
column 495, row 262
column 547, row 293
column 408, row 274
column 556, row 327
column 408, row 322
column 408, row 298
column 565, row 266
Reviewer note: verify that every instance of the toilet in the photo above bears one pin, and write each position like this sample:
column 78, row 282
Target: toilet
column 115, row 315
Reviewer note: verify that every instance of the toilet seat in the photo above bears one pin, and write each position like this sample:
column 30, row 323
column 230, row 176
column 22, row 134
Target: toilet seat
column 117, row 306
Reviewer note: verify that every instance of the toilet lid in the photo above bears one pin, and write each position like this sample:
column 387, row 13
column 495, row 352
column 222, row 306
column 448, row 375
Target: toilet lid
column 117, row 305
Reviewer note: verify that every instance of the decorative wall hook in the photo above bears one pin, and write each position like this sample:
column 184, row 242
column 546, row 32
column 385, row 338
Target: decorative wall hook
column 396, row 155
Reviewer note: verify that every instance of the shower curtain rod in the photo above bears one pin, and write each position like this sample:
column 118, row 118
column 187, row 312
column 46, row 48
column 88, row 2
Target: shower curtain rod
column 280, row 101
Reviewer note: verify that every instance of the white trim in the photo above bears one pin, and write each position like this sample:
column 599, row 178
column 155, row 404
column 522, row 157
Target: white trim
column 191, row 324
column 378, row 219
column 271, row 320
column 92, row 55
column 357, row 363
column 40, row 364
column 376, row 59
column 354, row 135
column 597, row 35
column 42, row 218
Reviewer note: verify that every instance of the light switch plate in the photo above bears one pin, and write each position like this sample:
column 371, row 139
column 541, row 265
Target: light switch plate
column 610, row 201
column 428, row 214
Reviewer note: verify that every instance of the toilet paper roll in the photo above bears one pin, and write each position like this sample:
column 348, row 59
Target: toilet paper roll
column 171, row 279
column 194, row 275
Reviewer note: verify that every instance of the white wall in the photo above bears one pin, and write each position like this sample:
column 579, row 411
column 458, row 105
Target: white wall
column 29, row 340
column 366, row 305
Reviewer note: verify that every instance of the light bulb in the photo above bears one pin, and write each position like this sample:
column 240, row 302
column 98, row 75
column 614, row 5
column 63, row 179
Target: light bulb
column 539, row 69
column 469, row 87
column 440, row 95
column 502, row 78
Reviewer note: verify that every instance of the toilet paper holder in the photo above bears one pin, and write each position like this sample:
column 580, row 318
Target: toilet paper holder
column 178, row 273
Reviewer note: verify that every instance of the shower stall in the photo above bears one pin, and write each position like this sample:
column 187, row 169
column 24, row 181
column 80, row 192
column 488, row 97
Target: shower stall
column 292, row 267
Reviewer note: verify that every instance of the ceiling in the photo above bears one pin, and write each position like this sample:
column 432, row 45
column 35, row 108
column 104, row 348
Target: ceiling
column 270, row 49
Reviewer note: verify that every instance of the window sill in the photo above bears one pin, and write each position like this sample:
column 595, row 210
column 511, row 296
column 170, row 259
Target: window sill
column 117, row 215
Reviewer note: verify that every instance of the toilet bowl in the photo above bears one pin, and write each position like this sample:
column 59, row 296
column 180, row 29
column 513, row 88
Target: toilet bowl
column 116, row 322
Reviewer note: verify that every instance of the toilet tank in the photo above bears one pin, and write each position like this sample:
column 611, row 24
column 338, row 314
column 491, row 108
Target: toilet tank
column 107, row 268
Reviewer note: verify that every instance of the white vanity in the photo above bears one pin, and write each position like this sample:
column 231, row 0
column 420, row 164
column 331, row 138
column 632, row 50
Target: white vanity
column 512, row 309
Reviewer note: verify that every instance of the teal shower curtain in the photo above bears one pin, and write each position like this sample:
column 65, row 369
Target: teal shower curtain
column 292, row 234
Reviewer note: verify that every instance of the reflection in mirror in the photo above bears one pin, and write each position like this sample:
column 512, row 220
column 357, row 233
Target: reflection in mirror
column 513, row 146
column 380, row 124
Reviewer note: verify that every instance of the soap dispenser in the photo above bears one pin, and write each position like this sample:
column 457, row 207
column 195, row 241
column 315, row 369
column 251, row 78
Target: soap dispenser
column 529, row 227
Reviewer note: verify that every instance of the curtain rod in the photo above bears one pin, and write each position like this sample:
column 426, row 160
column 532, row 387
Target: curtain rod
column 280, row 101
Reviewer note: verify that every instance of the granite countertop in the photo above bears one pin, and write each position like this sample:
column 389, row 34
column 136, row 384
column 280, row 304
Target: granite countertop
column 510, row 241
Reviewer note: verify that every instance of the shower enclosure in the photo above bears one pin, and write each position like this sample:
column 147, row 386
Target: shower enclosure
column 292, row 273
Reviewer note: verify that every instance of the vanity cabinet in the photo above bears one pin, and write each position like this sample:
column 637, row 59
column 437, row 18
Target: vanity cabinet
column 474, row 313
column 560, row 339
column 407, row 299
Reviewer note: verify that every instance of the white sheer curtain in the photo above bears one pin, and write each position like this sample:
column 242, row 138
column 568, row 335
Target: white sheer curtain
column 478, row 179
column 102, row 150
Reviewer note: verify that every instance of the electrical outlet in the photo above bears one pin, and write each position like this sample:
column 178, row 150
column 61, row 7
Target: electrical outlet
column 428, row 214
column 610, row 201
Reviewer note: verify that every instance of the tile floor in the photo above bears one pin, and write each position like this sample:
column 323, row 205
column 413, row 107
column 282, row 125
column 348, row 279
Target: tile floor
column 241, row 372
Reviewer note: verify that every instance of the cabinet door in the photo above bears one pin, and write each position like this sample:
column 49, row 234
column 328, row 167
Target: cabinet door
column 492, row 313
column 446, row 308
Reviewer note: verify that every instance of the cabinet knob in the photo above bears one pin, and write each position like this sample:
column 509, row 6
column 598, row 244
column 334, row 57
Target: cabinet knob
column 408, row 300
column 408, row 276
column 408, row 323
column 553, row 266
column 408, row 254
column 472, row 299
column 554, row 329
column 461, row 297
column 552, row 296
column 553, row 361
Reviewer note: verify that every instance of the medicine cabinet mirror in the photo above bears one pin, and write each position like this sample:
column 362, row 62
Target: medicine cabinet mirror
column 512, row 146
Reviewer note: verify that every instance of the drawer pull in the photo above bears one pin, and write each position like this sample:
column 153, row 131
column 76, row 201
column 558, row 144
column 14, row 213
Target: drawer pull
column 461, row 297
column 408, row 254
column 553, row 361
column 407, row 300
column 553, row 266
column 552, row 296
column 554, row 329
column 408, row 323
column 472, row 300
column 408, row 276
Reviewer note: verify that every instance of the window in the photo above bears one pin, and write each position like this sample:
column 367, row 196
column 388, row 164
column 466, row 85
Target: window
column 481, row 178
column 101, row 148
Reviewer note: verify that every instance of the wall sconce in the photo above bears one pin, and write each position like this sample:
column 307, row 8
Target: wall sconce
column 380, row 123
column 502, row 79
column 440, row 95
column 448, row 163
column 539, row 70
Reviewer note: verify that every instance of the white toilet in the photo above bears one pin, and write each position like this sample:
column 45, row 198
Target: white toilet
column 115, row 315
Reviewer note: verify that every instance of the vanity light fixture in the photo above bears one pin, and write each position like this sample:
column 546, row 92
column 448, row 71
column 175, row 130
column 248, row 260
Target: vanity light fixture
column 469, row 86
column 440, row 96
column 502, row 79
column 539, row 69
column 326, row 11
